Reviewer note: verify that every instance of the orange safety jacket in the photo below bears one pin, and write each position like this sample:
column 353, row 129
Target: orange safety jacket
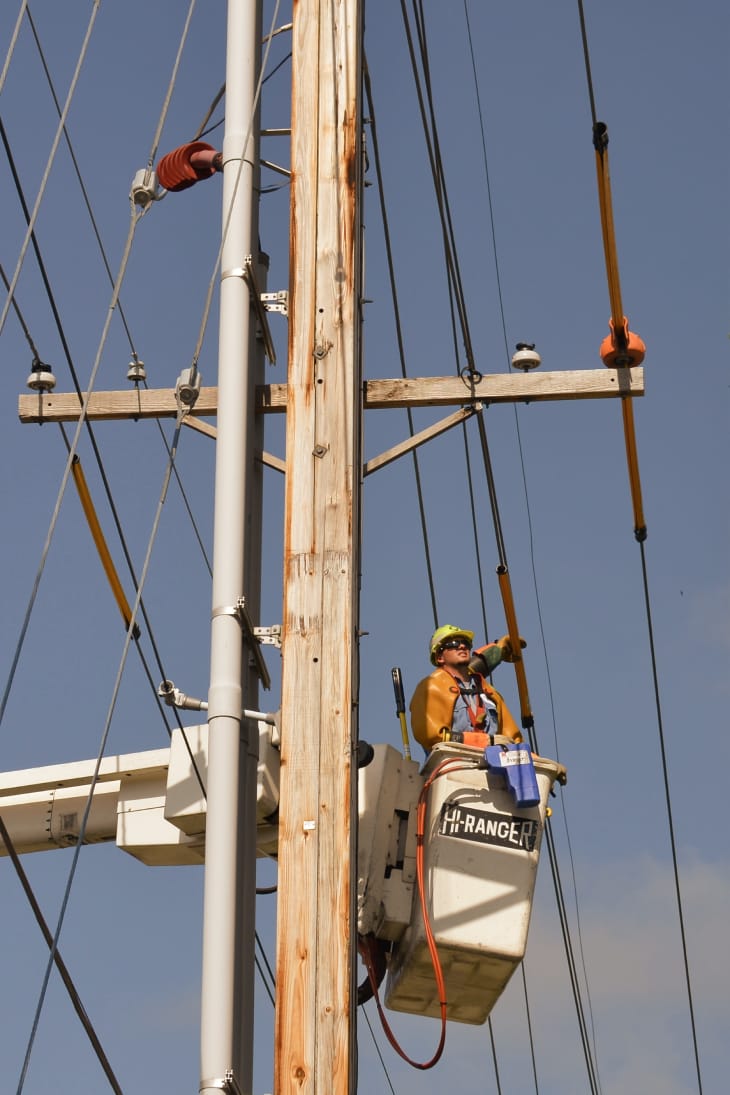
column 432, row 710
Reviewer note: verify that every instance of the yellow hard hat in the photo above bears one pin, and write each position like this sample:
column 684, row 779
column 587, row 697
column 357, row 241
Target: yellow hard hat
column 443, row 634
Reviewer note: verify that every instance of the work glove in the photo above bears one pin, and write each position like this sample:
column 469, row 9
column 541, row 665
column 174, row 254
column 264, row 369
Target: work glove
column 505, row 645
column 487, row 658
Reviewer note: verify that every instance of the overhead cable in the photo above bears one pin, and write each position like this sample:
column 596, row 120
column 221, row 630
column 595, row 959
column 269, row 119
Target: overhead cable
column 364, row 1013
column 100, row 756
column 100, row 465
column 399, row 332
column 428, row 119
column 528, row 1018
column 470, row 373
column 120, row 309
column 452, row 267
column 572, row 971
column 531, row 539
column 229, row 212
column 12, row 44
column 494, row 1055
column 59, row 962
column 82, row 420
column 455, row 289
column 19, row 314
column 625, row 348
column 79, row 176
column 49, row 162
column 670, row 821
column 71, row 448
column 262, row 975
column 202, row 131
column 170, row 87
column 487, row 179
column 442, row 196
column 136, row 215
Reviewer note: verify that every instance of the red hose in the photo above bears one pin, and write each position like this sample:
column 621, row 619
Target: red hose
column 449, row 765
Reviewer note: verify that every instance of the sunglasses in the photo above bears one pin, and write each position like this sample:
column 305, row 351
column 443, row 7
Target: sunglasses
column 455, row 644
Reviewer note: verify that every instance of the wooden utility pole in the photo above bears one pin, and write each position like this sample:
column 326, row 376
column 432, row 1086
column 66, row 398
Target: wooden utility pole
column 315, row 1003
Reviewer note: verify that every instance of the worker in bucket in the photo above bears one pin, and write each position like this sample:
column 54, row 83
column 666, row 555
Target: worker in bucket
column 456, row 702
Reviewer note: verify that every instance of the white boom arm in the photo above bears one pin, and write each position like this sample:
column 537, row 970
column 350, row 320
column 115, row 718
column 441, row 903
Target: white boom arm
column 152, row 804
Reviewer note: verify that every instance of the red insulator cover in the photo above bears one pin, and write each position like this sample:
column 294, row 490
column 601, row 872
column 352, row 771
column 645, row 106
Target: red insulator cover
column 186, row 165
column 613, row 357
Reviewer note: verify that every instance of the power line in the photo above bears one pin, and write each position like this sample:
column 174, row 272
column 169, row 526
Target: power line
column 399, row 333
column 670, row 821
column 71, row 447
column 365, row 1015
column 498, row 279
column 529, row 1023
column 19, row 314
column 587, row 60
column 623, row 347
column 239, row 172
column 82, row 421
column 100, row 755
column 110, row 276
column 171, row 457
column 494, row 1055
column 79, row 176
column 13, row 42
column 59, row 962
column 428, row 119
column 100, row 465
column 170, row 86
column 49, row 162
column 455, row 283
column 456, row 294
column 575, row 985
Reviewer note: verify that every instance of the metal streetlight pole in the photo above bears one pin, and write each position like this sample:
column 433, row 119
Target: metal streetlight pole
column 230, row 865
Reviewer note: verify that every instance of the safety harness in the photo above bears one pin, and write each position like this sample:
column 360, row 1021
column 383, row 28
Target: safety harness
column 475, row 700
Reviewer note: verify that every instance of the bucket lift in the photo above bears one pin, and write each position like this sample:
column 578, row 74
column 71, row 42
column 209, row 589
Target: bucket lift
column 481, row 841
column 481, row 845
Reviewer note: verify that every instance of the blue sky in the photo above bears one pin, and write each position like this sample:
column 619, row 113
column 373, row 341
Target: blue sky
column 132, row 934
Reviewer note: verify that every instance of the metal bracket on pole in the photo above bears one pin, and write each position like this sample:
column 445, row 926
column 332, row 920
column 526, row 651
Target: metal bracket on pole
column 249, row 276
column 173, row 697
column 240, row 613
column 269, row 636
column 226, row 1083
column 276, row 302
column 276, row 167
